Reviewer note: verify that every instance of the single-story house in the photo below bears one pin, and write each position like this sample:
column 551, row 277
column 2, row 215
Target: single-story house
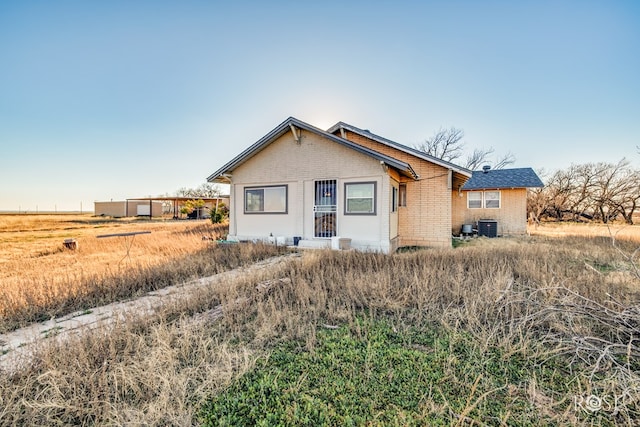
column 494, row 198
column 301, row 184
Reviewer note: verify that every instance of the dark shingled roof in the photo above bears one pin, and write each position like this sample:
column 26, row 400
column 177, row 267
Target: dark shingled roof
column 389, row 143
column 503, row 178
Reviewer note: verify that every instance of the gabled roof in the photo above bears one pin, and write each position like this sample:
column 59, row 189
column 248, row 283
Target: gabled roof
column 503, row 178
column 285, row 127
column 398, row 146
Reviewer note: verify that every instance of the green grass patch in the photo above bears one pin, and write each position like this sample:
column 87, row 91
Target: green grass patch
column 372, row 374
column 602, row 267
column 52, row 331
column 410, row 249
column 82, row 313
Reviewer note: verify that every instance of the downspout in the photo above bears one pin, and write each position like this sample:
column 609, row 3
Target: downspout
column 234, row 211
column 304, row 207
column 235, row 208
column 233, row 200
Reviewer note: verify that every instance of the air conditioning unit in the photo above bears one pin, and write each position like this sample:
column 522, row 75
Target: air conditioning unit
column 488, row 227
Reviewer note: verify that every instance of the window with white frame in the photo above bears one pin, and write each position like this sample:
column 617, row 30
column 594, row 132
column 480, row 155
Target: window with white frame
column 492, row 199
column 402, row 195
column 483, row 199
column 360, row 198
column 474, row 199
column 265, row 200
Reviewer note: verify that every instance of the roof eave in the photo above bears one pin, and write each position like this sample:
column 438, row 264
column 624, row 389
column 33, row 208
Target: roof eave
column 252, row 149
column 401, row 147
column 284, row 127
column 500, row 187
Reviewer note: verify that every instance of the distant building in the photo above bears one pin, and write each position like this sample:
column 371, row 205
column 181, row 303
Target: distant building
column 128, row 208
column 158, row 206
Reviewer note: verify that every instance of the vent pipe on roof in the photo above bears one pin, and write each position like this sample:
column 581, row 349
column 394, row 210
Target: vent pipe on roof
column 486, row 168
column 296, row 134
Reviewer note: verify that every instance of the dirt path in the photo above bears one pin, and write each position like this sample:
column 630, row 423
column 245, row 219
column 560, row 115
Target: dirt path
column 17, row 346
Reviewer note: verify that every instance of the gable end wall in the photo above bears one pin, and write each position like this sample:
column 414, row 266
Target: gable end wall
column 298, row 165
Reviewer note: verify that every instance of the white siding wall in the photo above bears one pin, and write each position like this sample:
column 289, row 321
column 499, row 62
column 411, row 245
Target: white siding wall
column 265, row 224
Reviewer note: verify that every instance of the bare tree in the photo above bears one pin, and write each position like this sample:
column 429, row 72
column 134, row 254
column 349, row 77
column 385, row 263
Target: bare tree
column 205, row 190
column 559, row 190
column 505, row 160
column 537, row 200
column 447, row 144
column 592, row 191
column 617, row 192
column 630, row 198
column 584, row 179
column 478, row 158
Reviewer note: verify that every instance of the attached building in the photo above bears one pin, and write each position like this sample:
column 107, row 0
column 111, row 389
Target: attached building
column 495, row 196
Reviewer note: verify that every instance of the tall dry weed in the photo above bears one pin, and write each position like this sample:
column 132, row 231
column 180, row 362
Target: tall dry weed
column 535, row 298
column 82, row 279
column 137, row 374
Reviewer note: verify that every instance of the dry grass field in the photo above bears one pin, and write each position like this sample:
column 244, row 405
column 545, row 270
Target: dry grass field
column 26, row 237
column 537, row 330
column 562, row 229
column 40, row 278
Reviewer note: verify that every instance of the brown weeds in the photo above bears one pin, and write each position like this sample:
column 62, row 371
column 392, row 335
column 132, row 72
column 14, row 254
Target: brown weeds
column 40, row 279
column 532, row 297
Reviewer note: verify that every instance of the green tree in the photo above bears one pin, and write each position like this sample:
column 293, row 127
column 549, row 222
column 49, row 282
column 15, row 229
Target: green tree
column 219, row 213
column 191, row 205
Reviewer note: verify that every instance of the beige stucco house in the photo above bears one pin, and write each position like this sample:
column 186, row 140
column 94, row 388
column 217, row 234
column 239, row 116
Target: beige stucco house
column 302, row 185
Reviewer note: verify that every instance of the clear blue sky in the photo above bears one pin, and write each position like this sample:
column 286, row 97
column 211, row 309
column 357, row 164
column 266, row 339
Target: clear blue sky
column 121, row 99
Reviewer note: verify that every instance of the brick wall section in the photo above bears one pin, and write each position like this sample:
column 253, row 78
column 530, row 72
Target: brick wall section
column 511, row 217
column 426, row 220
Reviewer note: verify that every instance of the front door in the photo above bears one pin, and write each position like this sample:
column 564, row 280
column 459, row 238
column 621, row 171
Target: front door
column 325, row 208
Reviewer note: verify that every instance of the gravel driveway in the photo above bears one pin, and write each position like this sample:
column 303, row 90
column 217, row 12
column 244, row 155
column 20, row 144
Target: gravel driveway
column 16, row 347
